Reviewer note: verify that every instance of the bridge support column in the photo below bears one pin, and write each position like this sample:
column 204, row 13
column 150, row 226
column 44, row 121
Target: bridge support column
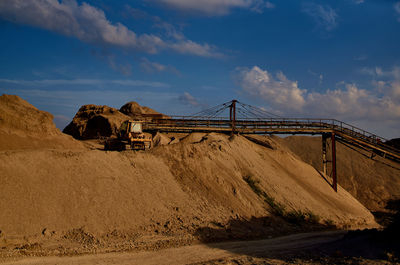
column 334, row 176
column 232, row 114
column 324, row 161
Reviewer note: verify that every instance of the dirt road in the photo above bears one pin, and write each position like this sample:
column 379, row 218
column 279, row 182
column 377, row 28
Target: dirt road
column 197, row 253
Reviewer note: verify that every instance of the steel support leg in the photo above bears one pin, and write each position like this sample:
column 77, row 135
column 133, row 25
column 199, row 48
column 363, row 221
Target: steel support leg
column 334, row 176
column 232, row 115
column 324, row 161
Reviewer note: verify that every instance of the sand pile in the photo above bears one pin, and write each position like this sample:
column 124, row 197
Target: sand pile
column 194, row 182
column 22, row 126
column 189, row 186
column 92, row 121
column 371, row 181
column 134, row 110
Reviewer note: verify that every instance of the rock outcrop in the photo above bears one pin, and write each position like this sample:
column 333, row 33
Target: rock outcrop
column 92, row 121
column 134, row 110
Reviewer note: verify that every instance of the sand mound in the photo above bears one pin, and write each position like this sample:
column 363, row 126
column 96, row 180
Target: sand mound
column 202, row 183
column 92, row 121
column 22, row 126
column 170, row 188
column 161, row 139
column 134, row 110
column 371, row 181
column 18, row 116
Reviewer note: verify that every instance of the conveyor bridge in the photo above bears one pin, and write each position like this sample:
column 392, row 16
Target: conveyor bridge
column 246, row 119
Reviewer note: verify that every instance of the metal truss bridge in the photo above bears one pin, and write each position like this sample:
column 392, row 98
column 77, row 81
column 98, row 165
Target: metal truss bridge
column 246, row 119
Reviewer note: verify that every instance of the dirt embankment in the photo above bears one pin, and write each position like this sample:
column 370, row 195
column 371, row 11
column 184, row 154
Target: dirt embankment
column 192, row 187
column 180, row 192
column 372, row 181
column 22, row 126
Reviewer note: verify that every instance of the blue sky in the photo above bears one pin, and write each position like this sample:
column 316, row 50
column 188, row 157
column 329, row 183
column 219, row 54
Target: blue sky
column 331, row 59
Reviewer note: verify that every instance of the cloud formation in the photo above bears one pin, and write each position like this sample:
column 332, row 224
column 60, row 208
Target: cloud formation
column 277, row 90
column 397, row 9
column 386, row 82
column 348, row 103
column 216, row 7
column 188, row 99
column 84, row 82
column 90, row 24
column 324, row 16
column 155, row 67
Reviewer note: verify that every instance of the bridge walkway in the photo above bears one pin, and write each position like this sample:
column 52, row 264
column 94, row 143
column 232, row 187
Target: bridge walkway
column 246, row 119
column 343, row 131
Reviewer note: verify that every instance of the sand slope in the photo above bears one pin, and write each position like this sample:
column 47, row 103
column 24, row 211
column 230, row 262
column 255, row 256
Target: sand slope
column 102, row 191
column 191, row 186
column 22, row 126
column 371, row 181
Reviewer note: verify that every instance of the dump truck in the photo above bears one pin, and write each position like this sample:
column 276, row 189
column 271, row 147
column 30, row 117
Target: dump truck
column 130, row 136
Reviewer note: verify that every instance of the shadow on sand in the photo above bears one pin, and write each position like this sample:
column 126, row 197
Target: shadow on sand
column 255, row 228
column 370, row 244
column 373, row 243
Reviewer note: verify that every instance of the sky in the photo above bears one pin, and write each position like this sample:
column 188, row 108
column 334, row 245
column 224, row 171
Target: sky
column 296, row 58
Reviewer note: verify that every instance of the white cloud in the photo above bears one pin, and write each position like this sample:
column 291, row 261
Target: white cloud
column 84, row 82
column 216, row 7
column 387, row 82
column 278, row 91
column 84, row 22
column 190, row 47
column 397, row 9
column 348, row 103
column 188, row 99
column 154, row 67
column 90, row 24
column 324, row 16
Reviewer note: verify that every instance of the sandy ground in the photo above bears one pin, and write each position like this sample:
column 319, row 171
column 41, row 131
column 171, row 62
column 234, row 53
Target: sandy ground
column 372, row 181
column 60, row 196
column 197, row 253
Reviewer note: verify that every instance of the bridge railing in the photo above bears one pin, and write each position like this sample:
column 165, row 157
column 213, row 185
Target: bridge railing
column 291, row 122
column 271, row 123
